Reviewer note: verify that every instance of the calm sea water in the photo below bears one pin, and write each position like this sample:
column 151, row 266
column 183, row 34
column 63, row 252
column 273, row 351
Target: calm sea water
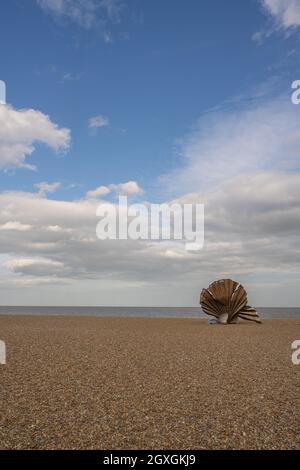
column 160, row 312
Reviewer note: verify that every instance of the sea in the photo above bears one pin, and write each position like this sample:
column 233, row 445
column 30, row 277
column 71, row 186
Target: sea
column 157, row 312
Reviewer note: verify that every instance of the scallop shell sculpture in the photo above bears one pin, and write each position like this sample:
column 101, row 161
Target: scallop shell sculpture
column 227, row 301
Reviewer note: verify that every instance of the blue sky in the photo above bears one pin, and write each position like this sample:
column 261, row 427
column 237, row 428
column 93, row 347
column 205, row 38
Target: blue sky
column 163, row 80
column 167, row 64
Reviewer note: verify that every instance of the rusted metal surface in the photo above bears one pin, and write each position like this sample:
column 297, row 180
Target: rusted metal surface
column 227, row 301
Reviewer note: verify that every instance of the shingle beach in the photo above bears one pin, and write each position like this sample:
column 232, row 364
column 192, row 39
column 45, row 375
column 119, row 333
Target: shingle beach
column 148, row 383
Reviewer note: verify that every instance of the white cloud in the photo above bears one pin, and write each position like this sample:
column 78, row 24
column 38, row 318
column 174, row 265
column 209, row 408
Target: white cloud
column 130, row 188
column 97, row 122
column 98, row 192
column 35, row 266
column 21, row 129
column 285, row 15
column 46, row 188
column 113, row 9
column 82, row 12
column 70, row 77
column 285, row 12
column 2, row 92
column 15, row 225
column 86, row 13
column 224, row 145
column 107, row 37
column 252, row 231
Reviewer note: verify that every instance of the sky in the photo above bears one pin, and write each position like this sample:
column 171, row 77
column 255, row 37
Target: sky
column 185, row 101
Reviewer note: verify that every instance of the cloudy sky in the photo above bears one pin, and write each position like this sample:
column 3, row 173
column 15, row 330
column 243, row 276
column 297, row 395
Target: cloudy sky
column 161, row 101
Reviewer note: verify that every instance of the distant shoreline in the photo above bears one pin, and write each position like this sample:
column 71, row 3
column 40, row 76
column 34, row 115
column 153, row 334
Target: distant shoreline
column 267, row 313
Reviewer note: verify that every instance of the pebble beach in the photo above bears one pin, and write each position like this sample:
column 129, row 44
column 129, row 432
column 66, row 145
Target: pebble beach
column 148, row 383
